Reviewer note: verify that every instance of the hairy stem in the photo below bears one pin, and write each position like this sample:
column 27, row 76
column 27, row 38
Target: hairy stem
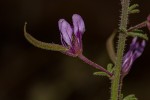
column 86, row 60
column 120, row 87
column 116, row 82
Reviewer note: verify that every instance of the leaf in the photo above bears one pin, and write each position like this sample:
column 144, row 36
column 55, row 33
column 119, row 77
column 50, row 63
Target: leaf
column 130, row 97
column 110, row 67
column 138, row 31
column 110, row 46
column 133, row 9
column 134, row 34
column 100, row 74
column 43, row 45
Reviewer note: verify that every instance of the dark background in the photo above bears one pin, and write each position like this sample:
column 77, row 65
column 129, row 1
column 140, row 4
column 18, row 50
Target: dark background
column 30, row 73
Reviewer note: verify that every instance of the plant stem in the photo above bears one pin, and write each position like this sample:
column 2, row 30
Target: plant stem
column 120, row 87
column 86, row 60
column 117, row 81
column 115, row 91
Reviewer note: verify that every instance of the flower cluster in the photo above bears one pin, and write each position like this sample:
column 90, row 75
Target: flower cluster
column 71, row 36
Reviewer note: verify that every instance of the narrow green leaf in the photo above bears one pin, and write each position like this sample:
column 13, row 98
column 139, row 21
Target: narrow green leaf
column 130, row 97
column 138, row 31
column 43, row 45
column 143, row 36
column 110, row 46
column 132, row 7
column 100, row 74
column 134, row 11
column 110, row 67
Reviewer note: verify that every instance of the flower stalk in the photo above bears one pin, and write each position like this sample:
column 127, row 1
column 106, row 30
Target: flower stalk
column 89, row 62
column 141, row 25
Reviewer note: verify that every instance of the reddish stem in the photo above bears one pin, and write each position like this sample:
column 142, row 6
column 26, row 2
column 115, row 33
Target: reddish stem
column 141, row 25
column 89, row 62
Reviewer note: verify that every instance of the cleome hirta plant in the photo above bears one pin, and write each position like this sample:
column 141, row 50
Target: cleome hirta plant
column 71, row 44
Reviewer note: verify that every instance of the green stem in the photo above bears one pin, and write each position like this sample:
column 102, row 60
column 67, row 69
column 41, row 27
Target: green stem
column 115, row 91
column 120, row 88
column 117, row 81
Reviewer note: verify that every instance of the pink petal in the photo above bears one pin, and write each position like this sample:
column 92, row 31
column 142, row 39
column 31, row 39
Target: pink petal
column 78, row 24
column 65, row 30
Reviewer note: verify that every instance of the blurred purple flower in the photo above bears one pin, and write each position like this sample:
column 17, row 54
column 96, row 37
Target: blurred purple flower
column 136, row 49
column 71, row 37
column 148, row 22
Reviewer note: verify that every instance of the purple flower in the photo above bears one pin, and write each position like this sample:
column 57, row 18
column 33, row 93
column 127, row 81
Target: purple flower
column 136, row 49
column 71, row 36
column 148, row 22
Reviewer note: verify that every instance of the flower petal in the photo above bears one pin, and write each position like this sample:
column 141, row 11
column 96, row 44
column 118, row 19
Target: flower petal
column 66, row 31
column 139, row 50
column 136, row 49
column 127, row 63
column 78, row 24
column 133, row 43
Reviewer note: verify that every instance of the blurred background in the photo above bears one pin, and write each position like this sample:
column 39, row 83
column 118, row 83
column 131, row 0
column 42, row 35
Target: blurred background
column 30, row 73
